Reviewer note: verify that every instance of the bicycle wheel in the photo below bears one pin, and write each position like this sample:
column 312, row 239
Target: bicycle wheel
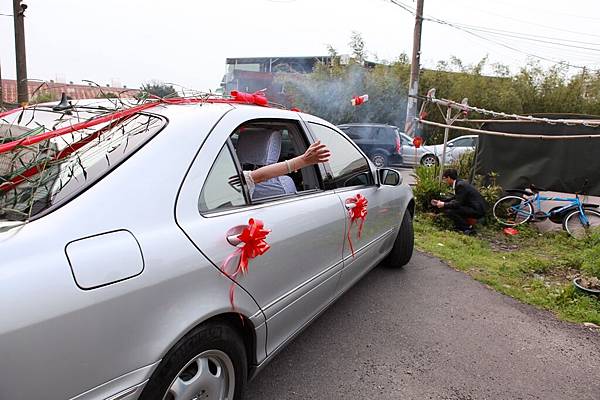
column 512, row 210
column 575, row 225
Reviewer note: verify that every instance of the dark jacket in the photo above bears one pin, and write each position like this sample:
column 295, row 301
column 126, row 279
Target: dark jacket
column 467, row 196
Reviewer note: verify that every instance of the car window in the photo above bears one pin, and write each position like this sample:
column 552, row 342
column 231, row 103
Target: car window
column 359, row 132
column 462, row 142
column 222, row 188
column 258, row 143
column 40, row 177
column 348, row 166
column 406, row 140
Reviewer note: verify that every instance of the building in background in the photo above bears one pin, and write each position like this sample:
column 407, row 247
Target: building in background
column 251, row 74
column 50, row 91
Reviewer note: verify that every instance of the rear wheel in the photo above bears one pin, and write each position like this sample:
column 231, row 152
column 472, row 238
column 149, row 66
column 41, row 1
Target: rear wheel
column 209, row 363
column 403, row 246
column 379, row 159
column 512, row 210
column 429, row 160
column 578, row 227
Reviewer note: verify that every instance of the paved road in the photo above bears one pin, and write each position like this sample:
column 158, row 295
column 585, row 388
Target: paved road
column 429, row 332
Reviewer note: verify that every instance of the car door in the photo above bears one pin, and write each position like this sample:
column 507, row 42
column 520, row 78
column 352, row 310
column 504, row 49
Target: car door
column 350, row 174
column 298, row 275
column 459, row 146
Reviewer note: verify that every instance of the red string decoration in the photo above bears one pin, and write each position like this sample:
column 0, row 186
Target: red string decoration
column 253, row 244
column 358, row 212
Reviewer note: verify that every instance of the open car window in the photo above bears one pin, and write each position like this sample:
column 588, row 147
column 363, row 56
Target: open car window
column 258, row 143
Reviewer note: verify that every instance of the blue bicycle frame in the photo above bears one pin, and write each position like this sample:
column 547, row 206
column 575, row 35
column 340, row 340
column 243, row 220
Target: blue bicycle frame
column 536, row 202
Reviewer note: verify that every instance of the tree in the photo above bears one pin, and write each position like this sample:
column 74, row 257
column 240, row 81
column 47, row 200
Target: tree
column 159, row 89
column 357, row 44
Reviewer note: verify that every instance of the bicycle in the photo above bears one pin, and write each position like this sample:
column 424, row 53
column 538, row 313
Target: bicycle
column 577, row 218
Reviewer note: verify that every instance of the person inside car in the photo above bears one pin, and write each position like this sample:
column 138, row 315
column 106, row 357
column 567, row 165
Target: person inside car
column 466, row 204
column 316, row 153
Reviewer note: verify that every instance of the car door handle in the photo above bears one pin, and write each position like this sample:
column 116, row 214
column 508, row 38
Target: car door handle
column 233, row 240
column 350, row 206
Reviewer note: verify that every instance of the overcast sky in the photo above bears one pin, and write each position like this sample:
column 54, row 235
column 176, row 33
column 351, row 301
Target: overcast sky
column 185, row 41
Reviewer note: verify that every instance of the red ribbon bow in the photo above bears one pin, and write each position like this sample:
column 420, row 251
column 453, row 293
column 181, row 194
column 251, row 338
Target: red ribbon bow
column 358, row 212
column 253, row 245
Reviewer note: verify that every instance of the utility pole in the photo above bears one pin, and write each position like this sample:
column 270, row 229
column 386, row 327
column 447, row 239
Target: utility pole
column 413, row 89
column 18, row 15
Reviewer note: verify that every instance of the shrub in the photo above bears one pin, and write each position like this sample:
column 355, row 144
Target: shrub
column 428, row 187
column 464, row 164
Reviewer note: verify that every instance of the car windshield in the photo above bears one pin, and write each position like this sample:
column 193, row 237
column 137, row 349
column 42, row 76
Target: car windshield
column 39, row 176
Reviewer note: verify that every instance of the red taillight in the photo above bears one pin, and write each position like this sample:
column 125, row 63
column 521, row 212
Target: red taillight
column 398, row 145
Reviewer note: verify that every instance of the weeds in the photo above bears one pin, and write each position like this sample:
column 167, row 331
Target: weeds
column 534, row 268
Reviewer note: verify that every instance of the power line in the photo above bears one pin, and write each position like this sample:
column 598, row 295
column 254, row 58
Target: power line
column 471, row 32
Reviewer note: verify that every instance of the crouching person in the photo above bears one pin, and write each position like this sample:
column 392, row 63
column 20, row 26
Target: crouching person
column 466, row 204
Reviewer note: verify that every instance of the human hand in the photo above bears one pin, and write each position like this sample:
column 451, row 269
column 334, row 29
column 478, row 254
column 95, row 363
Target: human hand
column 437, row 203
column 316, row 153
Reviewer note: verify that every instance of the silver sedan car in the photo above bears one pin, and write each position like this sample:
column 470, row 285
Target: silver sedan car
column 137, row 263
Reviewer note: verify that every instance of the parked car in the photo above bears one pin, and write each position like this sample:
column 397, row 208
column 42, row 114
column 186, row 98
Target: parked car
column 381, row 143
column 117, row 248
column 454, row 149
column 412, row 155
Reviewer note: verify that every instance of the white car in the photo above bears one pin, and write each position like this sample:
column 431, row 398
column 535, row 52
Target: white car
column 432, row 155
column 454, row 149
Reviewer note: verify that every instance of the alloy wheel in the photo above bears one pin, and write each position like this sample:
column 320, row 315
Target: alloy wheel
column 208, row 376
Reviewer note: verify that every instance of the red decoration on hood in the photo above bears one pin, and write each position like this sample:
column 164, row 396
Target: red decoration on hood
column 252, row 245
column 358, row 212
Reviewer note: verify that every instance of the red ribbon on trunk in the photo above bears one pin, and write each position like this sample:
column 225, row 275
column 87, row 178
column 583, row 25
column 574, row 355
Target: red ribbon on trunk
column 358, row 212
column 253, row 245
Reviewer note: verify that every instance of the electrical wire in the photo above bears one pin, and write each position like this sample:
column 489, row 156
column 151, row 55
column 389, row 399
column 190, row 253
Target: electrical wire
column 472, row 31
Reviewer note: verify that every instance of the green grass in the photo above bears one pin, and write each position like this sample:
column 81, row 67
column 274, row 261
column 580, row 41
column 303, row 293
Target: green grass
column 534, row 268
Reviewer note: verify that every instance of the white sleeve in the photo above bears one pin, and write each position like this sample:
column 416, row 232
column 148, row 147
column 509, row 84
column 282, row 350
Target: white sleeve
column 249, row 182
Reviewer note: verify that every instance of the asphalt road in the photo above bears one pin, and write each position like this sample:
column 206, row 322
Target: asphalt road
column 430, row 332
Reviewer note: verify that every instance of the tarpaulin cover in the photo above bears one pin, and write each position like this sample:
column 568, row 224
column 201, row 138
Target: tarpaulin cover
column 561, row 165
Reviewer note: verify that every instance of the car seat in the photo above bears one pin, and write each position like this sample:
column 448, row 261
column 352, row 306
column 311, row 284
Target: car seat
column 257, row 148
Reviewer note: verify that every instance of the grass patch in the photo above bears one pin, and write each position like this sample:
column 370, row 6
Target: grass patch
column 534, row 268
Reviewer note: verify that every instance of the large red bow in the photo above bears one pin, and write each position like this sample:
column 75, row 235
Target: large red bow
column 358, row 212
column 253, row 244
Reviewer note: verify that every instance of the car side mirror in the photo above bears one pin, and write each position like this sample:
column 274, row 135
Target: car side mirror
column 389, row 177
column 450, row 145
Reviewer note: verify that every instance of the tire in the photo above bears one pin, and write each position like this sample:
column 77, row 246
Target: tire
column 429, row 160
column 402, row 250
column 512, row 211
column 574, row 226
column 208, row 363
column 379, row 159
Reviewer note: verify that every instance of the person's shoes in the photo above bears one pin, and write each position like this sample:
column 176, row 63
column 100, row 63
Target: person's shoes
column 469, row 231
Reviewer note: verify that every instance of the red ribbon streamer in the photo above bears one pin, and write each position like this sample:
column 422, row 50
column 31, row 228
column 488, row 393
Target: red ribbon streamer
column 358, row 212
column 257, row 98
column 253, row 238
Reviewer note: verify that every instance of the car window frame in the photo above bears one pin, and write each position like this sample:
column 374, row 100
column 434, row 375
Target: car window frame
column 265, row 201
column 325, row 168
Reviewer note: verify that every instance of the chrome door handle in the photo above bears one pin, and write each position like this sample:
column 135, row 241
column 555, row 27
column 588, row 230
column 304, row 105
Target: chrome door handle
column 233, row 240
column 350, row 206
